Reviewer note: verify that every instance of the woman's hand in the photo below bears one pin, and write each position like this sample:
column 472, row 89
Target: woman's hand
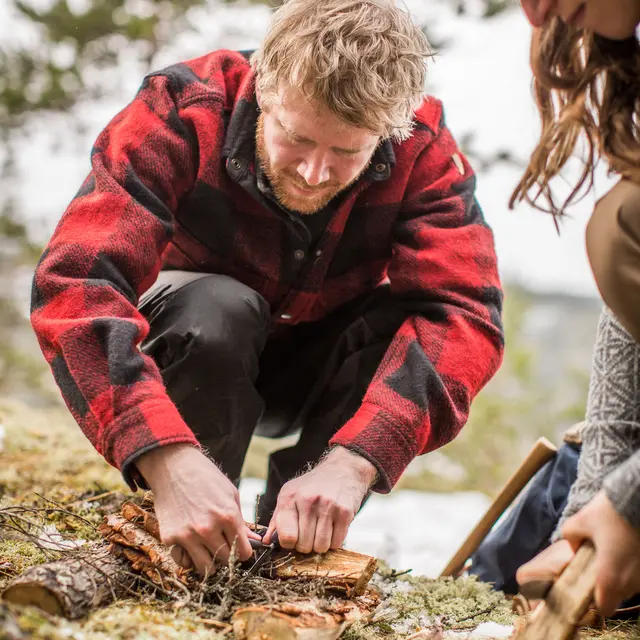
column 617, row 546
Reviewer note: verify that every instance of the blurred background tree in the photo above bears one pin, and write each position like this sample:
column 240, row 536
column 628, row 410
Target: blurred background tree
column 73, row 53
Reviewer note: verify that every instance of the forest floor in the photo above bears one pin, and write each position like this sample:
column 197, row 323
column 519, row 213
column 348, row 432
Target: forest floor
column 51, row 471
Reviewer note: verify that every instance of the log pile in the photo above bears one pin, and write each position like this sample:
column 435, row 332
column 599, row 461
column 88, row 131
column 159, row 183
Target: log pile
column 96, row 575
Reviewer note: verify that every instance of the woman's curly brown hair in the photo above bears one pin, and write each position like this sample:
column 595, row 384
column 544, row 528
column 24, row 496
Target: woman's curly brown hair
column 583, row 84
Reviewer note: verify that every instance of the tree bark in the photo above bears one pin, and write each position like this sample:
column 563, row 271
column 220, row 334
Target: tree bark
column 73, row 586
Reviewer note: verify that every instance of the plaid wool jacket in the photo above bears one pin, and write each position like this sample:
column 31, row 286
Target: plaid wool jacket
column 167, row 190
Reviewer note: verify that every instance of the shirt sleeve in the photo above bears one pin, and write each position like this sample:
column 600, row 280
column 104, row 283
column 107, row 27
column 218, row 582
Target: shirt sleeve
column 444, row 274
column 105, row 252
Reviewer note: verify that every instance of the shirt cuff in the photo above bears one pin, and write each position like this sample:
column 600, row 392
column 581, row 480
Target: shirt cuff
column 143, row 429
column 622, row 487
column 377, row 436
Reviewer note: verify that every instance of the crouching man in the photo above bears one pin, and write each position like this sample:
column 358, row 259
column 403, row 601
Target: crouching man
column 276, row 243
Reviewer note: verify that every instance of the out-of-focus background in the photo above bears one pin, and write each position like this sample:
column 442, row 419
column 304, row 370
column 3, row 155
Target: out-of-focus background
column 68, row 66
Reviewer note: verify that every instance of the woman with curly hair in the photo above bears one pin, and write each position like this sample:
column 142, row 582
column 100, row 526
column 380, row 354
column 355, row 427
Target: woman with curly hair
column 586, row 63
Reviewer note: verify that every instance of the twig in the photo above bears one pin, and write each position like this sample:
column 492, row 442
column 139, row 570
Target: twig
column 92, row 499
column 225, row 627
column 489, row 609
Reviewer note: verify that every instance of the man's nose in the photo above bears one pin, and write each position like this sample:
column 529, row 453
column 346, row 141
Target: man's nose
column 314, row 169
column 537, row 11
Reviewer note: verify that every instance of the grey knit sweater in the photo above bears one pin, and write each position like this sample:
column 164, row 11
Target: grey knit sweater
column 610, row 457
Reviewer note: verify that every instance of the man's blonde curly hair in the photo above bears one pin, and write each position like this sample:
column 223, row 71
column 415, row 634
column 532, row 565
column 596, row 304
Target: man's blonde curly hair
column 364, row 60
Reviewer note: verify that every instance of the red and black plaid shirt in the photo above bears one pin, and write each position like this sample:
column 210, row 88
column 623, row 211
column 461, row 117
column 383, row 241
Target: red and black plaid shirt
column 172, row 186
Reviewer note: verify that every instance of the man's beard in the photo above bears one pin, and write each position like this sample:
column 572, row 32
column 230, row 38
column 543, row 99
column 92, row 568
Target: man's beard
column 281, row 181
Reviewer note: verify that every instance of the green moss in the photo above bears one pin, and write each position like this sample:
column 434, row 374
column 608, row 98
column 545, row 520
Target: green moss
column 22, row 554
column 463, row 602
column 124, row 621
column 120, row 621
column 40, row 626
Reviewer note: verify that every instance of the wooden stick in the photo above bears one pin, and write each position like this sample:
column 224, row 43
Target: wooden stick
column 542, row 452
column 567, row 602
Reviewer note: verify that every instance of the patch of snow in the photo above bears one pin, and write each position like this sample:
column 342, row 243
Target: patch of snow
column 485, row 631
column 492, row 630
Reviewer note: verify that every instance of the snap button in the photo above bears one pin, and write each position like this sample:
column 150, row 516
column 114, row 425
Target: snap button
column 319, row 253
column 298, row 254
column 285, row 316
column 380, row 167
column 236, row 164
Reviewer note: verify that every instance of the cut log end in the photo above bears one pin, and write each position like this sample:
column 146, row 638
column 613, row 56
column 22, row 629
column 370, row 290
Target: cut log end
column 34, row 595
column 71, row 587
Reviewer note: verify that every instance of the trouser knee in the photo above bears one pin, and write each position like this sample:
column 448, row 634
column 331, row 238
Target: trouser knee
column 206, row 336
column 214, row 320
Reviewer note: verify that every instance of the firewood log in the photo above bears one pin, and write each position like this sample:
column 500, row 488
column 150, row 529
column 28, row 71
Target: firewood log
column 311, row 620
column 71, row 587
column 345, row 571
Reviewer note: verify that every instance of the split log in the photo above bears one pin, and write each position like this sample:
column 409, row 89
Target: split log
column 344, row 571
column 311, row 620
column 71, row 587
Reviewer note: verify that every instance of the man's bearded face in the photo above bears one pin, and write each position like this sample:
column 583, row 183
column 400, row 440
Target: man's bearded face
column 308, row 153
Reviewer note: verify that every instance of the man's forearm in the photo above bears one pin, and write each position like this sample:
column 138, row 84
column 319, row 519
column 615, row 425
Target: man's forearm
column 364, row 470
column 156, row 465
column 611, row 435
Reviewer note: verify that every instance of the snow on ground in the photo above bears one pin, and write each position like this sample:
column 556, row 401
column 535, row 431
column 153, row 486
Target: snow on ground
column 407, row 529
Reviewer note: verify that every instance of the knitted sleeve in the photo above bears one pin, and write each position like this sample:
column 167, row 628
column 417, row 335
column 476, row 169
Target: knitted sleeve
column 610, row 456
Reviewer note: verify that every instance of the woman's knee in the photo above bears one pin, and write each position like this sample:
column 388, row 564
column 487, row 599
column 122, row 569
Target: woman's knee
column 613, row 248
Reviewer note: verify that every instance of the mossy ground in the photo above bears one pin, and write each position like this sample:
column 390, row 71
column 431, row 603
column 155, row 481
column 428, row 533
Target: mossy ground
column 48, row 466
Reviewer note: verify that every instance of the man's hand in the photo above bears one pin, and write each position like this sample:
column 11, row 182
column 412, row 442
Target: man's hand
column 314, row 511
column 198, row 507
column 617, row 546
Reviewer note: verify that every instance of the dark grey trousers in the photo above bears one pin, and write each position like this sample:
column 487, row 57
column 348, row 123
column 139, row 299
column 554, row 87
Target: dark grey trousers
column 231, row 375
